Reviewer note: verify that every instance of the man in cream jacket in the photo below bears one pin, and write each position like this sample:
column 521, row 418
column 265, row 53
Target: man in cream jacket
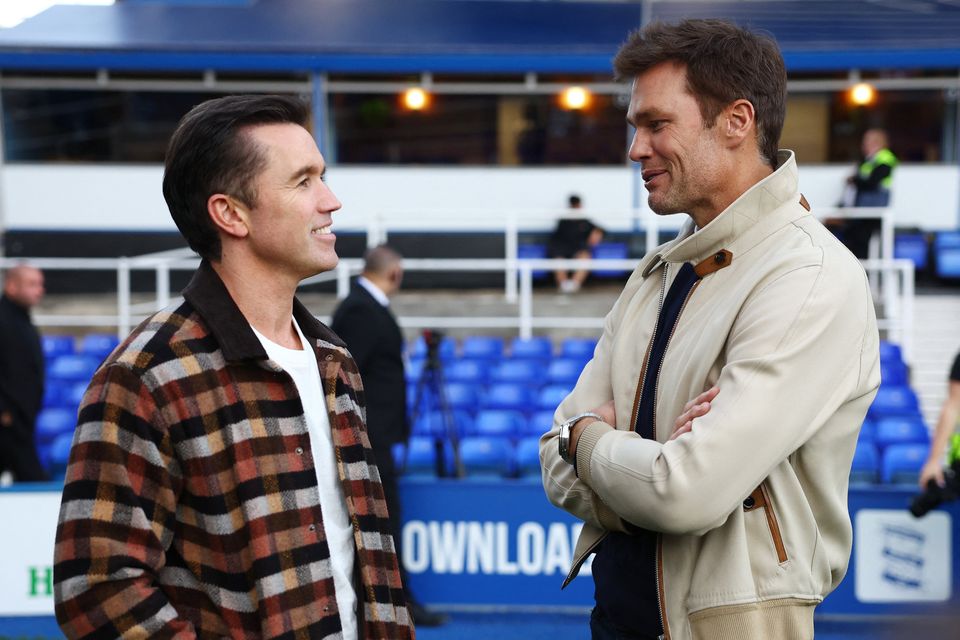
column 724, row 516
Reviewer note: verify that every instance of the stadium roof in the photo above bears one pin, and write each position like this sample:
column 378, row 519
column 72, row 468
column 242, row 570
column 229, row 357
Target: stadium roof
column 463, row 36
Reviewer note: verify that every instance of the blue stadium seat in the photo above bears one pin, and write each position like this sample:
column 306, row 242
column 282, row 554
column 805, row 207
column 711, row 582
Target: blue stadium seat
column 564, row 371
column 539, row 423
column 499, row 423
column 433, row 423
column 610, row 251
column 578, row 348
column 913, row 247
column 527, row 461
column 54, row 346
column 59, row 454
column 74, row 368
column 447, row 349
column 533, row 252
column 462, row 396
column 515, row 397
column 56, row 394
column 894, row 401
column 525, row 372
column 75, row 394
column 54, row 422
column 486, row 456
column 946, row 251
column 472, row 371
column 539, row 348
column 414, row 369
column 890, row 352
column 551, row 396
column 98, row 345
column 868, row 431
column 893, row 373
column 902, row 463
column 901, row 430
column 488, row 348
column 866, row 464
column 420, row 457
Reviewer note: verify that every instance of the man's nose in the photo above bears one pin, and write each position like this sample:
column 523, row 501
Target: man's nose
column 639, row 146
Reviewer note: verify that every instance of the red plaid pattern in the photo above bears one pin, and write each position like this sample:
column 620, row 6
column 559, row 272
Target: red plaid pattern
column 191, row 506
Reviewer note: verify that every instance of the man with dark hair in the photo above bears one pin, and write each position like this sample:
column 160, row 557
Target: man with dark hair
column 573, row 237
column 365, row 323
column 221, row 482
column 729, row 521
column 21, row 374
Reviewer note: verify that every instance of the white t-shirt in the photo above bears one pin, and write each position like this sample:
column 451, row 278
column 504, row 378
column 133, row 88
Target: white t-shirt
column 302, row 367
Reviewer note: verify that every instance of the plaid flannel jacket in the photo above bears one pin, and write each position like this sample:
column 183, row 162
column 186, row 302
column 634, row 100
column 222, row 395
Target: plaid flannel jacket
column 191, row 506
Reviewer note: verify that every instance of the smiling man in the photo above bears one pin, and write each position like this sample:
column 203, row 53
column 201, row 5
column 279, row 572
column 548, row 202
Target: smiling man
column 221, row 482
column 731, row 520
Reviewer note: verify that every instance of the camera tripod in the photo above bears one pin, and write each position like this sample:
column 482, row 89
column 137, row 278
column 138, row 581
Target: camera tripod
column 430, row 395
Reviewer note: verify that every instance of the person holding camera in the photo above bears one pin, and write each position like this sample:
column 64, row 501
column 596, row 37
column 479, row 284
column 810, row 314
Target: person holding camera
column 933, row 468
column 732, row 524
column 368, row 327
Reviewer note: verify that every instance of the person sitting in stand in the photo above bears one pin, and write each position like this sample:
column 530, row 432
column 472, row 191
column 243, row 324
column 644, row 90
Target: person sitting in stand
column 573, row 237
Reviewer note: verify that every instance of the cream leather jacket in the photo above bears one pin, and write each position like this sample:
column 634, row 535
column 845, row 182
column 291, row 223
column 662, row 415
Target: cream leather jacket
column 752, row 503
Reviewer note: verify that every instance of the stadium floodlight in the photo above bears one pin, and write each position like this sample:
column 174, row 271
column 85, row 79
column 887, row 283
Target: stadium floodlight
column 575, row 98
column 863, row 94
column 416, row 99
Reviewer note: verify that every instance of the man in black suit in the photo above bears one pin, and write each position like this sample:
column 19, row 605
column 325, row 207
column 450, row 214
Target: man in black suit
column 364, row 321
column 21, row 374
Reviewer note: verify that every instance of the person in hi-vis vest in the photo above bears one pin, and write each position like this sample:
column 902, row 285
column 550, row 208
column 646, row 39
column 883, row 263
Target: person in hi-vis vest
column 870, row 187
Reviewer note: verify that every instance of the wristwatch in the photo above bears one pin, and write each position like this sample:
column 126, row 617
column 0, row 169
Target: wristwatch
column 564, row 439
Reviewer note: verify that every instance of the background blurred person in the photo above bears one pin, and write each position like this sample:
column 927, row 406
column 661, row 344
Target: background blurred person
column 364, row 321
column 868, row 187
column 573, row 237
column 221, row 483
column 21, row 374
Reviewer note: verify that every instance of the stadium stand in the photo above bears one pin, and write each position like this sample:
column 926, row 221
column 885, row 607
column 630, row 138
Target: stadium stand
column 946, row 251
column 902, row 463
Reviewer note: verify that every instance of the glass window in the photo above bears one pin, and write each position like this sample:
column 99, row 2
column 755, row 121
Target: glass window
column 476, row 129
column 49, row 125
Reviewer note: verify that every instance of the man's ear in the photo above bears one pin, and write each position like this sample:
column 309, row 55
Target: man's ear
column 739, row 120
column 228, row 215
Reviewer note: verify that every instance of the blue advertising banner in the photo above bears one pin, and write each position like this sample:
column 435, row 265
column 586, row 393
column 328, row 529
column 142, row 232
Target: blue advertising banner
column 489, row 542
column 500, row 543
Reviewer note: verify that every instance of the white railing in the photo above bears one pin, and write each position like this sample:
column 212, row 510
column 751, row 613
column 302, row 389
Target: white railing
column 896, row 318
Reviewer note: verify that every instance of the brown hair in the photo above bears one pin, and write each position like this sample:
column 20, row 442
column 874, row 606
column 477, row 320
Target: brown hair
column 211, row 152
column 724, row 63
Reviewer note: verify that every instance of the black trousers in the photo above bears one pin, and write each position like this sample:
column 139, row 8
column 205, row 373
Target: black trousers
column 388, row 477
column 18, row 454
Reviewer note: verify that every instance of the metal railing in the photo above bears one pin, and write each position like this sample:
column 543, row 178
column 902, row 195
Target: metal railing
column 896, row 317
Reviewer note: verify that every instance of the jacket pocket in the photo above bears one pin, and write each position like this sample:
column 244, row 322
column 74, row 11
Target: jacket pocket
column 760, row 499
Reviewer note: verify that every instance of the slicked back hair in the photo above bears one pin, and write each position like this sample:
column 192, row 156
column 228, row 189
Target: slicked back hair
column 723, row 63
column 211, row 152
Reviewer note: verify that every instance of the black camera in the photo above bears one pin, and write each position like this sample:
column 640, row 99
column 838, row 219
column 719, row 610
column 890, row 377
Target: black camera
column 935, row 495
column 432, row 339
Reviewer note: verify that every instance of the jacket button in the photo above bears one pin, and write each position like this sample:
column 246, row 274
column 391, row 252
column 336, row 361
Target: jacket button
column 329, row 357
column 299, row 451
column 719, row 258
column 749, row 502
column 312, row 527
